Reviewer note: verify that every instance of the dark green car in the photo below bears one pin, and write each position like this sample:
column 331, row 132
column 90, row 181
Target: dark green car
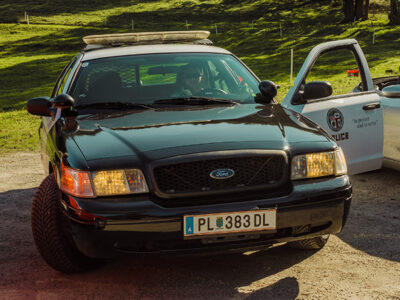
column 171, row 144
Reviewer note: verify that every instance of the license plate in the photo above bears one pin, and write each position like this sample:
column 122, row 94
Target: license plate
column 230, row 222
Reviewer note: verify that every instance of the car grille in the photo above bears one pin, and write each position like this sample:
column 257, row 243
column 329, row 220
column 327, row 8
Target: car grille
column 267, row 171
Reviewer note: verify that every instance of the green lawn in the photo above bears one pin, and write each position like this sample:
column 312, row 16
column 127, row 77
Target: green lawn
column 261, row 33
column 18, row 131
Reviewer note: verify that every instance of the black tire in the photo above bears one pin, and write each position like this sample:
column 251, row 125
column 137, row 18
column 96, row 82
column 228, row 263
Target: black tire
column 51, row 234
column 310, row 244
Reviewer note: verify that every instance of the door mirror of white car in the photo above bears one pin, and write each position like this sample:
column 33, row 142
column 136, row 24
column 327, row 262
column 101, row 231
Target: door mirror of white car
column 313, row 90
column 317, row 90
column 392, row 91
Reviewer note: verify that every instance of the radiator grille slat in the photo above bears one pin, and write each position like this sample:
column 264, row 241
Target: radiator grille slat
column 194, row 176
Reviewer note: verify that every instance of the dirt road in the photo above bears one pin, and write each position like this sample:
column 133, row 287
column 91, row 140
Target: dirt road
column 362, row 262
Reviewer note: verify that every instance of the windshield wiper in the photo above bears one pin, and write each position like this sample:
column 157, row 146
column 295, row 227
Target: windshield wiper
column 194, row 101
column 116, row 105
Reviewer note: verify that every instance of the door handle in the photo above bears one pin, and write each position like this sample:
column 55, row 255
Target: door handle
column 371, row 106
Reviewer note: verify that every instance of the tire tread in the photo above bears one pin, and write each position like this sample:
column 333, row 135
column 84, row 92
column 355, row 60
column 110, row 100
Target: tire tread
column 49, row 235
column 310, row 244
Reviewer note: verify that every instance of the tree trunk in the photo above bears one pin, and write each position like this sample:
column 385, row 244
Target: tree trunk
column 358, row 11
column 366, row 9
column 394, row 15
column 348, row 9
column 355, row 10
column 361, row 10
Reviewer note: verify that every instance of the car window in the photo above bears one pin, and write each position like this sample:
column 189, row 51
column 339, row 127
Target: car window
column 340, row 68
column 64, row 80
column 158, row 74
column 220, row 76
column 148, row 78
column 60, row 79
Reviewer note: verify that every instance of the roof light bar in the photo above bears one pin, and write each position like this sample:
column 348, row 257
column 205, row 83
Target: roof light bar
column 145, row 37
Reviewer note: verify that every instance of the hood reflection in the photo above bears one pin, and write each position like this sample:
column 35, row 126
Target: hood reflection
column 249, row 126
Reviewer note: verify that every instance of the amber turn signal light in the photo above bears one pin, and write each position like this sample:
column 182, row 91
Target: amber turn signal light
column 75, row 182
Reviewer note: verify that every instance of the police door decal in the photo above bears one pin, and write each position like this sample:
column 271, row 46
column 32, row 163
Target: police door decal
column 335, row 122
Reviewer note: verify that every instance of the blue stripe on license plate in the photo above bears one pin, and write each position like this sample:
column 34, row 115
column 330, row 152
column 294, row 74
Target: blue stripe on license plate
column 189, row 225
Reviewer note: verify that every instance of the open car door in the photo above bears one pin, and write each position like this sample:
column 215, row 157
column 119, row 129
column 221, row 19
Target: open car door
column 352, row 116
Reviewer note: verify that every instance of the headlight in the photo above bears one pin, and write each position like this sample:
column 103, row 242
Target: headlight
column 119, row 182
column 321, row 164
column 102, row 183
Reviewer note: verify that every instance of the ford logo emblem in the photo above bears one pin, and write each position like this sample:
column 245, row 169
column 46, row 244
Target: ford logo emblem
column 222, row 173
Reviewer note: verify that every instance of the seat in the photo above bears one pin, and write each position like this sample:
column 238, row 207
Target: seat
column 105, row 86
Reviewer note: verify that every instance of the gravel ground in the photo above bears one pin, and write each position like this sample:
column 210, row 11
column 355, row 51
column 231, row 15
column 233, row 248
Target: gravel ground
column 362, row 262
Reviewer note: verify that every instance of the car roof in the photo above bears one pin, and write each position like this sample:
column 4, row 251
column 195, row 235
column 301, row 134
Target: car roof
column 150, row 49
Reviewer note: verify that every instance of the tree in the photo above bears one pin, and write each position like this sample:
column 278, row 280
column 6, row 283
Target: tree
column 355, row 10
column 394, row 14
column 348, row 9
column 361, row 9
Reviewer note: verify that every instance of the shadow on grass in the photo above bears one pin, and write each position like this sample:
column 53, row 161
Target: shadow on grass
column 48, row 41
column 261, row 47
column 11, row 10
column 27, row 80
column 262, row 51
column 232, row 10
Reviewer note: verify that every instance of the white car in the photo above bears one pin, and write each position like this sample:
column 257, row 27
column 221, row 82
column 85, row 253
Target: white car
column 365, row 121
column 389, row 90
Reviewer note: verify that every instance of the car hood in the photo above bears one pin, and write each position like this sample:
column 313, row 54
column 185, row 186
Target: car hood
column 152, row 134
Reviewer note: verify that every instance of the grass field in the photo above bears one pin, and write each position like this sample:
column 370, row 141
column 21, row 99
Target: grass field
column 259, row 32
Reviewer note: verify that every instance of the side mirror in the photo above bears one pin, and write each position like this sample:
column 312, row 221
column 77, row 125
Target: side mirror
column 317, row 89
column 40, row 106
column 268, row 91
column 63, row 101
column 392, row 91
column 312, row 90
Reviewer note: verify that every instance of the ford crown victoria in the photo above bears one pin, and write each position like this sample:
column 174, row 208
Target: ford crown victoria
column 160, row 142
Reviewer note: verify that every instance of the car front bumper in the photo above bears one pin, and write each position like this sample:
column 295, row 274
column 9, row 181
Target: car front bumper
column 136, row 224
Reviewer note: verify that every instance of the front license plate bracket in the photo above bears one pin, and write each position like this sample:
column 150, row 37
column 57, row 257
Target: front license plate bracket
column 229, row 223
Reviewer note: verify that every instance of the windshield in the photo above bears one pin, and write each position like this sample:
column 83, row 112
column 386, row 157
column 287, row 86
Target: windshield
column 145, row 79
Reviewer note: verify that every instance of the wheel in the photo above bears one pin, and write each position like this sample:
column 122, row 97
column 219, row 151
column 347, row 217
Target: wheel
column 50, row 231
column 310, row 244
